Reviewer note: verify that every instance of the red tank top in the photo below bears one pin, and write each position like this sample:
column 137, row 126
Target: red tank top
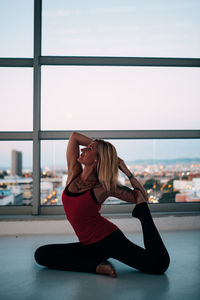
column 82, row 211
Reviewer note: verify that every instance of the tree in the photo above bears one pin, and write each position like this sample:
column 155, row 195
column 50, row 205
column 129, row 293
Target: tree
column 152, row 184
column 168, row 197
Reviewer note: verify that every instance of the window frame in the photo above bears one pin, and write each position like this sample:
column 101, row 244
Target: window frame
column 36, row 136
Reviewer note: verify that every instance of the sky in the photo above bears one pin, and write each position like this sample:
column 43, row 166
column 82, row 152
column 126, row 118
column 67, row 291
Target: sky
column 103, row 98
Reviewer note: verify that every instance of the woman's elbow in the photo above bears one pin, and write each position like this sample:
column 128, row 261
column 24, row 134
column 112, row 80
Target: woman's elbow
column 136, row 195
column 139, row 196
column 73, row 136
column 74, row 133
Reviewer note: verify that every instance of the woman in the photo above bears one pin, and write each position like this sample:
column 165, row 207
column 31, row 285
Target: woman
column 92, row 178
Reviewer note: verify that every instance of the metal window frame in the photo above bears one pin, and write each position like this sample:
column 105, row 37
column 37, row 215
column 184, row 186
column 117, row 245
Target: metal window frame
column 37, row 135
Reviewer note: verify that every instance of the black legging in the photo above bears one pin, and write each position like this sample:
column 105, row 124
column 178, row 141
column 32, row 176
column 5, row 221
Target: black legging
column 153, row 259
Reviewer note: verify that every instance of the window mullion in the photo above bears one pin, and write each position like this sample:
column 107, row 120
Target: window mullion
column 36, row 106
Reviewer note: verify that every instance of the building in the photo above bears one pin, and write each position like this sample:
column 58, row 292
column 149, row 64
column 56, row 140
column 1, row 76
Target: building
column 16, row 163
column 182, row 185
column 189, row 190
column 16, row 190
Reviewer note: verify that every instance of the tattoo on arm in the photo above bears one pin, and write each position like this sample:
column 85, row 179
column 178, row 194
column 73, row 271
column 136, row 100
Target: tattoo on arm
column 126, row 194
column 125, row 190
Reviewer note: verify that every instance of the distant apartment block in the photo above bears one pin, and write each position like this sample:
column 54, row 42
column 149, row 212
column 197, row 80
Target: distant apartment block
column 16, row 163
column 189, row 191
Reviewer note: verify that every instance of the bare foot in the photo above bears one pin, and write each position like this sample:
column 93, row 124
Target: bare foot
column 106, row 268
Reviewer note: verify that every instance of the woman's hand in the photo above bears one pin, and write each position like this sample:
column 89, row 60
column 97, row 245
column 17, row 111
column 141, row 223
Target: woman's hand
column 134, row 182
column 122, row 166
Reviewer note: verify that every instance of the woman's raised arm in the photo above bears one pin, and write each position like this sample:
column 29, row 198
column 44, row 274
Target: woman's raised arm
column 124, row 193
column 134, row 182
column 73, row 152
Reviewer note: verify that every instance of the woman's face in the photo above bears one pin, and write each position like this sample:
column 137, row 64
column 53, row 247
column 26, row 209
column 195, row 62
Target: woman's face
column 89, row 154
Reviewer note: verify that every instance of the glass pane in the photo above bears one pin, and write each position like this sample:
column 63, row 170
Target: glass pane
column 122, row 28
column 16, row 28
column 16, row 183
column 53, row 171
column 168, row 169
column 16, row 94
column 120, row 98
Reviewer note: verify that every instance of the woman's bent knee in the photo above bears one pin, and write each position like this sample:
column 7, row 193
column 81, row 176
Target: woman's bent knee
column 158, row 265
column 162, row 264
column 40, row 255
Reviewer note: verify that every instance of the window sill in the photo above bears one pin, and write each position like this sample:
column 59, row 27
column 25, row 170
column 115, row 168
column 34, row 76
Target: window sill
column 58, row 224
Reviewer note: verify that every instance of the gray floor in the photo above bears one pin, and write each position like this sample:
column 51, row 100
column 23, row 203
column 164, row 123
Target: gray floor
column 21, row 278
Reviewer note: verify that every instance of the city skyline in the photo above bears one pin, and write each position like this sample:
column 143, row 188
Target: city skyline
column 163, row 183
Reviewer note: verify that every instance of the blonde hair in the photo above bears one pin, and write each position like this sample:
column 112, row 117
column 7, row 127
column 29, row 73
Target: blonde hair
column 107, row 167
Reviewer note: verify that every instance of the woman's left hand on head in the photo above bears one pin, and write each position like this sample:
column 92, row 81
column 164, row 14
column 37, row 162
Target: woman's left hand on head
column 122, row 166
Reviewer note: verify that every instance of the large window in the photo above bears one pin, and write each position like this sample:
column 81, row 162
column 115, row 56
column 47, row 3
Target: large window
column 125, row 71
column 16, row 182
column 16, row 28
column 168, row 169
column 125, row 98
column 16, row 96
column 121, row 28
